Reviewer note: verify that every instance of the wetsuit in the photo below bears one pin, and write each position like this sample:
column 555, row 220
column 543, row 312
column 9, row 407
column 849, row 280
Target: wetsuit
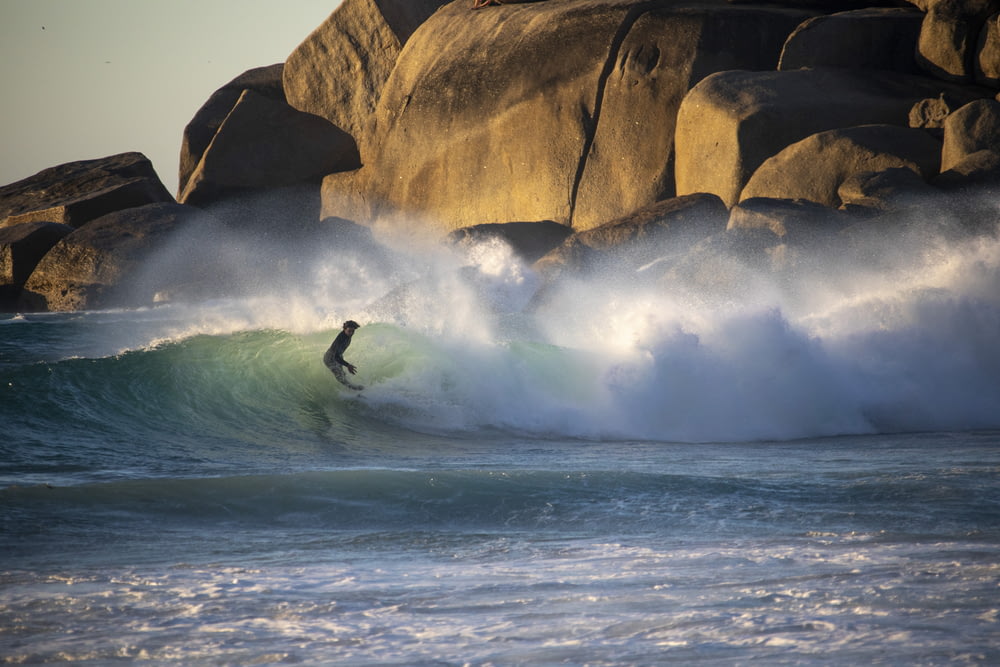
column 334, row 357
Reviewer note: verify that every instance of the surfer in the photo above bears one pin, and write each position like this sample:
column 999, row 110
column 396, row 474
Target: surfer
column 334, row 357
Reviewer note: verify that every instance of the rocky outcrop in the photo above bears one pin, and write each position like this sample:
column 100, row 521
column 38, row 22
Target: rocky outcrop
column 873, row 38
column 815, row 167
column 974, row 127
column 21, row 248
column 77, row 192
column 785, row 218
column 338, row 71
column 731, row 122
column 661, row 230
column 264, row 144
column 875, row 192
column 626, row 128
column 987, row 62
column 525, row 112
column 103, row 264
column 198, row 133
column 949, row 36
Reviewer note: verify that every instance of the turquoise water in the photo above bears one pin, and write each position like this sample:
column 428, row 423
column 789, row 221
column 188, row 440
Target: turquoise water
column 800, row 475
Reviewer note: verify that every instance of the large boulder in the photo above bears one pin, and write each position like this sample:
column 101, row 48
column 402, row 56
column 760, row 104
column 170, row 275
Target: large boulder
column 664, row 229
column 77, row 192
column 731, row 122
column 787, row 219
column 949, row 36
column 987, row 62
column 629, row 163
column 972, row 128
column 265, row 144
column 201, row 129
column 815, row 167
column 338, row 71
column 104, row 264
column 21, row 248
column 558, row 111
column 872, row 38
column 870, row 193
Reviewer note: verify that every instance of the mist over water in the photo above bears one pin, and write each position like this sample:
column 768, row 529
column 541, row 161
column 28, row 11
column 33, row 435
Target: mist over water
column 897, row 335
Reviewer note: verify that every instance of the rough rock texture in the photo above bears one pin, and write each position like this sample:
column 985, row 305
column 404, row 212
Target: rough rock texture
column 77, row 192
column 978, row 169
column 338, row 71
column 931, row 113
column 987, row 62
column 949, row 36
column 527, row 112
column 201, row 129
column 784, row 217
column 102, row 264
column 21, row 248
column 666, row 228
column 875, row 38
column 267, row 144
column 974, row 127
column 815, row 167
column 731, row 122
column 881, row 191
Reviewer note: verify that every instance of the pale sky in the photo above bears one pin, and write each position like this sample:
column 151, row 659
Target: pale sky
column 84, row 79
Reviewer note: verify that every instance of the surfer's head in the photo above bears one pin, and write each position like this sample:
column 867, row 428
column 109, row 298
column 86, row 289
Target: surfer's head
column 351, row 325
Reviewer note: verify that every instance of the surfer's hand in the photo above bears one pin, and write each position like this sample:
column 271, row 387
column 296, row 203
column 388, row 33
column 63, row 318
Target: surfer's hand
column 352, row 369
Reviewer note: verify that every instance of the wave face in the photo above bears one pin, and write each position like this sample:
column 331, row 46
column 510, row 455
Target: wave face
column 900, row 338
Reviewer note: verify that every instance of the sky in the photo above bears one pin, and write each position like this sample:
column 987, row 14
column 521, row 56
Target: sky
column 84, row 79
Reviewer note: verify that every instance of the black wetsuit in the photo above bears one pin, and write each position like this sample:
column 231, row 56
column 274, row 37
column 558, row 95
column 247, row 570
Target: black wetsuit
column 334, row 357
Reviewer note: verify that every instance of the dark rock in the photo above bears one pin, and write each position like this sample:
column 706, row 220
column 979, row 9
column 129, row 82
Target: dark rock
column 77, row 192
column 198, row 133
column 667, row 228
column 972, row 128
column 949, row 36
column 21, row 249
column 530, row 240
column 815, row 167
column 787, row 219
column 987, row 62
column 874, row 192
column 870, row 38
column 265, row 144
column 104, row 263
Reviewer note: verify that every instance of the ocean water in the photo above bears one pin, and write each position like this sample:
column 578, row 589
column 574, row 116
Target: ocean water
column 791, row 468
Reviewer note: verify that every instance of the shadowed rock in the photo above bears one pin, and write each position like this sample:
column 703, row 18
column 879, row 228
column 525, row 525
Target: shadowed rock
column 949, row 36
column 874, row 38
column 265, row 144
column 201, row 129
column 815, row 167
column 21, row 248
column 77, row 192
column 530, row 240
column 97, row 266
column 972, row 128
column 874, row 192
column 667, row 228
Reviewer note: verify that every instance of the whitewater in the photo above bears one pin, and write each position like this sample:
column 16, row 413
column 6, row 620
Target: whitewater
column 664, row 466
